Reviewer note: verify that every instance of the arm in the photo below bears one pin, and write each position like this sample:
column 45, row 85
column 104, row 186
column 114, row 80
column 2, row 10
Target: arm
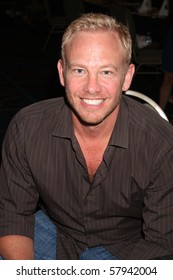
column 16, row 247
column 158, row 211
column 18, row 198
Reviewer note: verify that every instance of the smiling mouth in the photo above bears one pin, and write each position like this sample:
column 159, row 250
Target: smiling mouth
column 93, row 101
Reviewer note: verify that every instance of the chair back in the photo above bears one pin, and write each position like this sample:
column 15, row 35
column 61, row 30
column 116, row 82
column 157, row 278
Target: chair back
column 149, row 101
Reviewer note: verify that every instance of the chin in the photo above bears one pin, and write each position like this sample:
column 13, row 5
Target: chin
column 90, row 121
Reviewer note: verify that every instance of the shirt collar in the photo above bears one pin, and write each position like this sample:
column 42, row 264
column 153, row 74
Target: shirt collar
column 121, row 130
column 63, row 126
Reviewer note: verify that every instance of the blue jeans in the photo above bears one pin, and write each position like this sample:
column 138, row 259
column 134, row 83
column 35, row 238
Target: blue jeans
column 45, row 233
column 97, row 253
column 45, row 242
column 45, row 237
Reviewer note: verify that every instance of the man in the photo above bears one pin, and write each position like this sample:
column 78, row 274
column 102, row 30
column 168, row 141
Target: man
column 98, row 163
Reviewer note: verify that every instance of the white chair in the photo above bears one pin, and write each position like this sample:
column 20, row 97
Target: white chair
column 148, row 101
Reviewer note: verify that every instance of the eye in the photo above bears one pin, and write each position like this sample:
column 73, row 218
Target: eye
column 107, row 72
column 78, row 72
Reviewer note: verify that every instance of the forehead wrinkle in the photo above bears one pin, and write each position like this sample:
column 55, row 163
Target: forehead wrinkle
column 93, row 54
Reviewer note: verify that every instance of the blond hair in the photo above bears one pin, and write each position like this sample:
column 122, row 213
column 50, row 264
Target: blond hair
column 92, row 22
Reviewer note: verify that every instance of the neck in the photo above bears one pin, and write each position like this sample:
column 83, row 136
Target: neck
column 93, row 140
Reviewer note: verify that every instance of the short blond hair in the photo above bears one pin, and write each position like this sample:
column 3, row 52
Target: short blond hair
column 92, row 22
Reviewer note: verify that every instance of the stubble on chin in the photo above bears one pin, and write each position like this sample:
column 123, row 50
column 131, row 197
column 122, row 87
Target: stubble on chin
column 88, row 120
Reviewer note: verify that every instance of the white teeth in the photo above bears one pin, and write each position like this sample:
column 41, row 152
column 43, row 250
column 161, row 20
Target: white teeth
column 93, row 101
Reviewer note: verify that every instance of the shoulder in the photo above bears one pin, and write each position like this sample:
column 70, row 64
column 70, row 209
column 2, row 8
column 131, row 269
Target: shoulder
column 45, row 109
column 40, row 115
column 147, row 121
column 48, row 106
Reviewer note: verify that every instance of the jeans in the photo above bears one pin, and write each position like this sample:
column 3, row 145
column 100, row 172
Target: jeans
column 97, row 253
column 45, row 242
column 45, row 237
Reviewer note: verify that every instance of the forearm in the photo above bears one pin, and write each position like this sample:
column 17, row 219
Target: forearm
column 16, row 247
column 145, row 250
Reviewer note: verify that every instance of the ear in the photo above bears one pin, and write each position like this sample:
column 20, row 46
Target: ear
column 128, row 77
column 60, row 68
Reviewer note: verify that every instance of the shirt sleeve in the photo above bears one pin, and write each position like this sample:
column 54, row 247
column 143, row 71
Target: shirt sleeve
column 158, row 210
column 18, row 195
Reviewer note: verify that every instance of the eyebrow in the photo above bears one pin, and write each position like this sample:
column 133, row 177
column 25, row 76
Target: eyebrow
column 110, row 66
column 101, row 67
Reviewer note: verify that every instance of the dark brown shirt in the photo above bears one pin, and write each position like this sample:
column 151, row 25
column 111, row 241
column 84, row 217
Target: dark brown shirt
column 128, row 208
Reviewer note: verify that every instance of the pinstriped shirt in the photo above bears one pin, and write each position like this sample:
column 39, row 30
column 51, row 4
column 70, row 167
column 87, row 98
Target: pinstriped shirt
column 128, row 207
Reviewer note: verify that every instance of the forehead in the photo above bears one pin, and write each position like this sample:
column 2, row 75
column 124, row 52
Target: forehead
column 98, row 42
column 95, row 36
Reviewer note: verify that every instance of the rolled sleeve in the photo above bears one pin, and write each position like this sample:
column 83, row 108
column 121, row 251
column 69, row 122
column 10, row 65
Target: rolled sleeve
column 18, row 195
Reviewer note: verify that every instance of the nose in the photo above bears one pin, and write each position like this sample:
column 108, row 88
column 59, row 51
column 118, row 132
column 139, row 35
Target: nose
column 92, row 85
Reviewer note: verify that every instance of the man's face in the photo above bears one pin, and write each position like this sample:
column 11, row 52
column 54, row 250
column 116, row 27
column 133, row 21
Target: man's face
column 94, row 75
